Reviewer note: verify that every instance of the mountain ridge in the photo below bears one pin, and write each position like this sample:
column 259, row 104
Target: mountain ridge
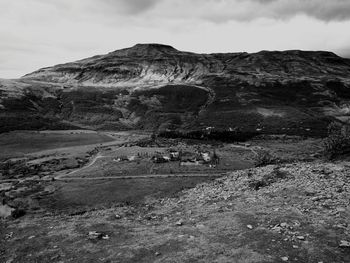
column 150, row 61
column 154, row 86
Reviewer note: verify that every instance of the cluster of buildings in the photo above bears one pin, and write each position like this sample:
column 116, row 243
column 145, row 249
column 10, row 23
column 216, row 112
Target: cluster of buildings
column 188, row 158
column 185, row 158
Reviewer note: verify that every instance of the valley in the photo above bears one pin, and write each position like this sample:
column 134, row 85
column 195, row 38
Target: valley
column 151, row 154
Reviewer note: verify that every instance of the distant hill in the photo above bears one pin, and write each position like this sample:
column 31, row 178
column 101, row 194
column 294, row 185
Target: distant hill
column 154, row 86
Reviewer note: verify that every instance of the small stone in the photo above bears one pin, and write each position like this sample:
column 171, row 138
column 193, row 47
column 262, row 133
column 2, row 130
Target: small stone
column 310, row 191
column 344, row 244
column 179, row 223
column 6, row 211
column 97, row 235
column 300, row 237
column 6, row 186
column 157, row 254
column 295, row 247
column 284, row 225
column 118, row 216
column 94, row 235
column 49, row 189
column 9, row 235
column 105, row 237
column 31, row 237
column 250, row 226
column 341, row 209
column 277, row 229
column 316, row 198
column 284, row 258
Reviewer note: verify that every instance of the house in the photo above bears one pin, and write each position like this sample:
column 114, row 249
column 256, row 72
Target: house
column 174, row 155
column 190, row 159
column 131, row 158
column 215, row 159
column 160, row 158
column 206, row 157
column 125, row 158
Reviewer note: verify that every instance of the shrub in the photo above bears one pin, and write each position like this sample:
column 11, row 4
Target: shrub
column 214, row 134
column 337, row 143
column 264, row 157
column 268, row 179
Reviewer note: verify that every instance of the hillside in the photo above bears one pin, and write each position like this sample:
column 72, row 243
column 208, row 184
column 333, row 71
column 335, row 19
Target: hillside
column 153, row 86
column 300, row 214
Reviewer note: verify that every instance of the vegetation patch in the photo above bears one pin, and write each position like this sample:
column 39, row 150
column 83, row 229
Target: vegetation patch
column 268, row 179
column 337, row 143
column 211, row 134
column 264, row 157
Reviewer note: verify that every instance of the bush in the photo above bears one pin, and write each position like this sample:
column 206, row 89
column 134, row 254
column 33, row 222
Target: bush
column 268, row 179
column 264, row 157
column 338, row 141
column 215, row 134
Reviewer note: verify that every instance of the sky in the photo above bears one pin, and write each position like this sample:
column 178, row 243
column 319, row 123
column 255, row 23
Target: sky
column 41, row 33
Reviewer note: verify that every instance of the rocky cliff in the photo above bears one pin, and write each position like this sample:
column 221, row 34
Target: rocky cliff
column 153, row 86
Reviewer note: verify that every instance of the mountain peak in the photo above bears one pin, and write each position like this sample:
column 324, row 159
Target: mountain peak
column 153, row 46
column 146, row 50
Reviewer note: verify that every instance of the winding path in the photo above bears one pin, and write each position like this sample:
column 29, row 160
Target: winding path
column 98, row 156
column 143, row 176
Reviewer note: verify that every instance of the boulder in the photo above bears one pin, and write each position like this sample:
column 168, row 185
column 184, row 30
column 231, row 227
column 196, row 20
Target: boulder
column 6, row 211
column 5, row 186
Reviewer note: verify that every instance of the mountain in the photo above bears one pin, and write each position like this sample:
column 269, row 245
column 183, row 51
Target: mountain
column 154, row 86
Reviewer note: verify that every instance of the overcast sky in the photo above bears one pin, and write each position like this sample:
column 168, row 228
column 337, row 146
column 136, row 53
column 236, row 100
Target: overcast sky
column 39, row 33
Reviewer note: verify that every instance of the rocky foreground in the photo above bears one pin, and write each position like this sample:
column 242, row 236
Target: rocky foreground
column 280, row 213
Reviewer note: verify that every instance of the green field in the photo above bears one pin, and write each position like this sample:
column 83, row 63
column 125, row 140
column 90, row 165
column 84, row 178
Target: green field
column 73, row 196
column 19, row 143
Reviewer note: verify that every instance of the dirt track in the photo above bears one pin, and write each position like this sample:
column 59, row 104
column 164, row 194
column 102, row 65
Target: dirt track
column 141, row 176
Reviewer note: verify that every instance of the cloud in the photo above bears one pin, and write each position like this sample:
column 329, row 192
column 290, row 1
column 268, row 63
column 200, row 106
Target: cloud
column 335, row 10
column 39, row 33
column 344, row 52
column 131, row 6
column 248, row 10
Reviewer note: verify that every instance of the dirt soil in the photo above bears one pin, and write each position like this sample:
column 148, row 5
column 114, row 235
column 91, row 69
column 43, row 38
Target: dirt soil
column 296, row 212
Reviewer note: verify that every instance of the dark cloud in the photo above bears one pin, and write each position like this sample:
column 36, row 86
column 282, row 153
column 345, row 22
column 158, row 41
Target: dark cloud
column 130, row 6
column 335, row 10
column 247, row 10
column 217, row 10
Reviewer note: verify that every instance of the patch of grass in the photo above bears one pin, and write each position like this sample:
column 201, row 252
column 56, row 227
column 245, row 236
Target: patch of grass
column 19, row 143
column 77, row 195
